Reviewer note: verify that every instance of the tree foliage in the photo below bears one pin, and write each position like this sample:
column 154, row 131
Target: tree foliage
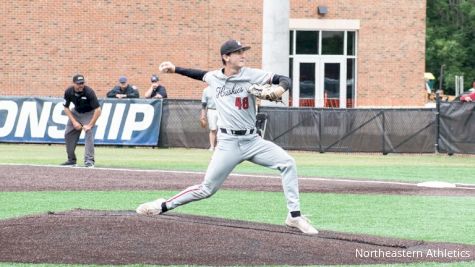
column 450, row 41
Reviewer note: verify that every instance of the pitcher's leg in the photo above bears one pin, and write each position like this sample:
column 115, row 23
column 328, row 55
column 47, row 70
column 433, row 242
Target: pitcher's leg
column 223, row 161
column 270, row 155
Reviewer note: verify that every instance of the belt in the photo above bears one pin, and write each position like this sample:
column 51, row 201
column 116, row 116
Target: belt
column 212, row 108
column 237, row 132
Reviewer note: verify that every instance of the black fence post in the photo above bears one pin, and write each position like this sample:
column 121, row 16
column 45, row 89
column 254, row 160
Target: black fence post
column 437, row 122
column 320, row 130
column 437, row 107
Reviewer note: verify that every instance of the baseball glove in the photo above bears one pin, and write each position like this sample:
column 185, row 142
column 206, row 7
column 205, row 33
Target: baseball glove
column 203, row 122
column 266, row 92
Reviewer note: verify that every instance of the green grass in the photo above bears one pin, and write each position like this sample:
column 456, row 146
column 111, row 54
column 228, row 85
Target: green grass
column 396, row 167
column 411, row 217
column 429, row 218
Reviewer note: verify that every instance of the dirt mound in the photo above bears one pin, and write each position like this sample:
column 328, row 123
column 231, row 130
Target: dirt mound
column 123, row 237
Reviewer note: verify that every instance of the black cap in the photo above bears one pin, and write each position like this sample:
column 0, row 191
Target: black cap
column 154, row 78
column 231, row 46
column 79, row 79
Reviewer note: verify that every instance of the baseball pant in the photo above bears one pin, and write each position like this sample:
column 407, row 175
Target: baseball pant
column 71, row 137
column 231, row 151
column 212, row 117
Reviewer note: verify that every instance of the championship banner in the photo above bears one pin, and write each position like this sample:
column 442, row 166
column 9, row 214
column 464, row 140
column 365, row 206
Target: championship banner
column 42, row 120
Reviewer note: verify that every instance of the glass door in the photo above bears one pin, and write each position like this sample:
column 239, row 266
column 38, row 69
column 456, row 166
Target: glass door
column 333, row 82
column 323, row 68
column 304, row 82
column 318, row 82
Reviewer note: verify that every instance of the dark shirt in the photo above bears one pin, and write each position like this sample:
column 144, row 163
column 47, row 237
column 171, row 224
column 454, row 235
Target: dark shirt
column 84, row 101
column 129, row 91
column 159, row 90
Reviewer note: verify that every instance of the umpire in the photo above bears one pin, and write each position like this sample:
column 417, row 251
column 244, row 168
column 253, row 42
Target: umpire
column 83, row 116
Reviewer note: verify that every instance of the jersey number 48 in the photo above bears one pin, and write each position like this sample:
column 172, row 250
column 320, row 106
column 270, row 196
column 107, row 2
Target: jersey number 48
column 242, row 103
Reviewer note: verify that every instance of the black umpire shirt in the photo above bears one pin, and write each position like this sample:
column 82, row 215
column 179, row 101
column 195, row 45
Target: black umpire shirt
column 84, row 101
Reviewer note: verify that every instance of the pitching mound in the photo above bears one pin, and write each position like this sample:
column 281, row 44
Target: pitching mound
column 123, row 237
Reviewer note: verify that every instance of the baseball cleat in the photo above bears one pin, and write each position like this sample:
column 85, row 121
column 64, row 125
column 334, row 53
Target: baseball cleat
column 301, row 223
column 151, row 208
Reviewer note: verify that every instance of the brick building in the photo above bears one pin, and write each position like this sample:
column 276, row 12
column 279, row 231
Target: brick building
column 340, row 52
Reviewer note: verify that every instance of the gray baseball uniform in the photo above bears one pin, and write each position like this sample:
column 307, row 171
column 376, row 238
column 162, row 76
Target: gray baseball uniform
column 238, row 140
column 208, row 98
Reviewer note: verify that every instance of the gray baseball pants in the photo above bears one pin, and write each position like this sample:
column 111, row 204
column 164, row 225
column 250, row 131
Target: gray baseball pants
column 231, row 151
column 71, row 137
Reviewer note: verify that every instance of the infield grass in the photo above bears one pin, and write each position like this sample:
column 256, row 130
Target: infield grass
column 429, row 218
column 396, row 167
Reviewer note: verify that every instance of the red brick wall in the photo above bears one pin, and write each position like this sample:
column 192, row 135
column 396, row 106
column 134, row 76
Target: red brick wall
column 44, row 43
column 391, row 48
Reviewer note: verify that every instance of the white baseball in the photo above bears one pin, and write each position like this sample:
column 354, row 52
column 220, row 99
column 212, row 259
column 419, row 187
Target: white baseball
column 163, row 67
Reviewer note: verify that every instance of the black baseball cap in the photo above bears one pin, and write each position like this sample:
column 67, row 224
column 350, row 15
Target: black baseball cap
column 79, row 79
column 154, row 78
column 231, row 46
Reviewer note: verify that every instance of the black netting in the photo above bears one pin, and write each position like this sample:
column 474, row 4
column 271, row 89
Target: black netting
column 291, row 128
column 412, row 130
column 339, row 130
column 180, row 125
column 352, row 130
column 457, row 127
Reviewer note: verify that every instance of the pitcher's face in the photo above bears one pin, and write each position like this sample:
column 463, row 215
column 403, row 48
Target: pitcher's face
column 236, row 59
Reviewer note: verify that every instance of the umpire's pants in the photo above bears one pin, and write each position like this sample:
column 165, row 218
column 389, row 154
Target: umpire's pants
column 71, row 137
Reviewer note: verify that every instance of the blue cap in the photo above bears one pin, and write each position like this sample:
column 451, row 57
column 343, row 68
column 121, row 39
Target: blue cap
column 154, row 78
column 122, row 79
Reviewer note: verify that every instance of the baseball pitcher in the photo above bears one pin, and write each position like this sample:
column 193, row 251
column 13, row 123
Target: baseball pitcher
column 234, row 89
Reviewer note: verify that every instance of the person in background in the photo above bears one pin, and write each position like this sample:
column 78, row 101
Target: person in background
column 473, row 87
column 469, row 95
column 209, row 117
column 123, row 90
column 83, row 116
column 156, row 90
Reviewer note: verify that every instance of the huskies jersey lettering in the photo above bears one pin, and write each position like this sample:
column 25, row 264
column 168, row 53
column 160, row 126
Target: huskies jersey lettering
column 236, row 107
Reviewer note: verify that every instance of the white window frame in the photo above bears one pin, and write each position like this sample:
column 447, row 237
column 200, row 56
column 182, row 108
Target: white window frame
column 328, row 25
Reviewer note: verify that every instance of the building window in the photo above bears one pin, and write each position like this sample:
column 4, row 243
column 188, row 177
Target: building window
column 307, row 42
column 333, row 43
column 350, row 43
